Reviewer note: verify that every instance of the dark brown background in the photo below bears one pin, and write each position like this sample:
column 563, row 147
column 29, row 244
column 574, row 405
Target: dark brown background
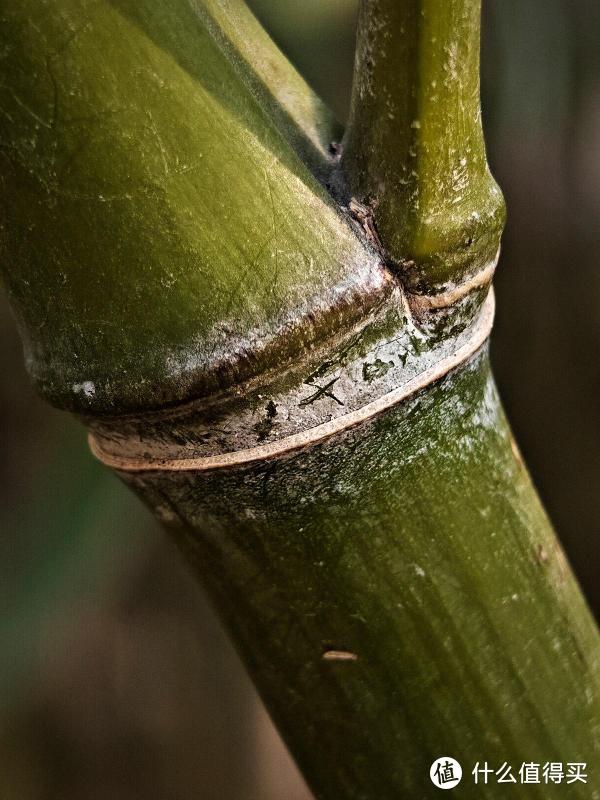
column 116, row 680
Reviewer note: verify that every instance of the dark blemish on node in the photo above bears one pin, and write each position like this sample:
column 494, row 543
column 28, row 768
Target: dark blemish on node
column 322, row 391
column 264, row 426
column 320, row 371
column 377, row 369
column 417, row 345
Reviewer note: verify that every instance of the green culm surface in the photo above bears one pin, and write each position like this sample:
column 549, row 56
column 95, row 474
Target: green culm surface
column 417, row 543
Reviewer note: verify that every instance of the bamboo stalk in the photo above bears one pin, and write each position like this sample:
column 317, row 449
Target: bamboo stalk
column 397, row 594
column 414, row 147
column 162, row 236
column 318, row 428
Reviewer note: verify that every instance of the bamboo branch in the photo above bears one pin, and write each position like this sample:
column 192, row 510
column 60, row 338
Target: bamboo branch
column 414, row 148
column 289, row 102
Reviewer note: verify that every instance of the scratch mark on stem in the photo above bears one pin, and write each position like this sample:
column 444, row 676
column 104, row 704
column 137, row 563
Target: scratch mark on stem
column 339, row 655
column 322, row 391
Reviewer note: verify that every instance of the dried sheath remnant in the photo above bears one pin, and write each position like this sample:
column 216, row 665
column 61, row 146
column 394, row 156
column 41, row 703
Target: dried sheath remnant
column 339, row 655
column 420, row 303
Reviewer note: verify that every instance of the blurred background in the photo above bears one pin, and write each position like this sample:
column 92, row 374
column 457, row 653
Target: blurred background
column 116, row 680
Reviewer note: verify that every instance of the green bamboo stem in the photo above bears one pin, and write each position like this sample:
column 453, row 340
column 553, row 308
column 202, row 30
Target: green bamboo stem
column 144, row 172
column 182, row 277
column 397, row 594
column 414, row 147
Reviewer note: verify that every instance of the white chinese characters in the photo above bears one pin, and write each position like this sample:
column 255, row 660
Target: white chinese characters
column 531, row 772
